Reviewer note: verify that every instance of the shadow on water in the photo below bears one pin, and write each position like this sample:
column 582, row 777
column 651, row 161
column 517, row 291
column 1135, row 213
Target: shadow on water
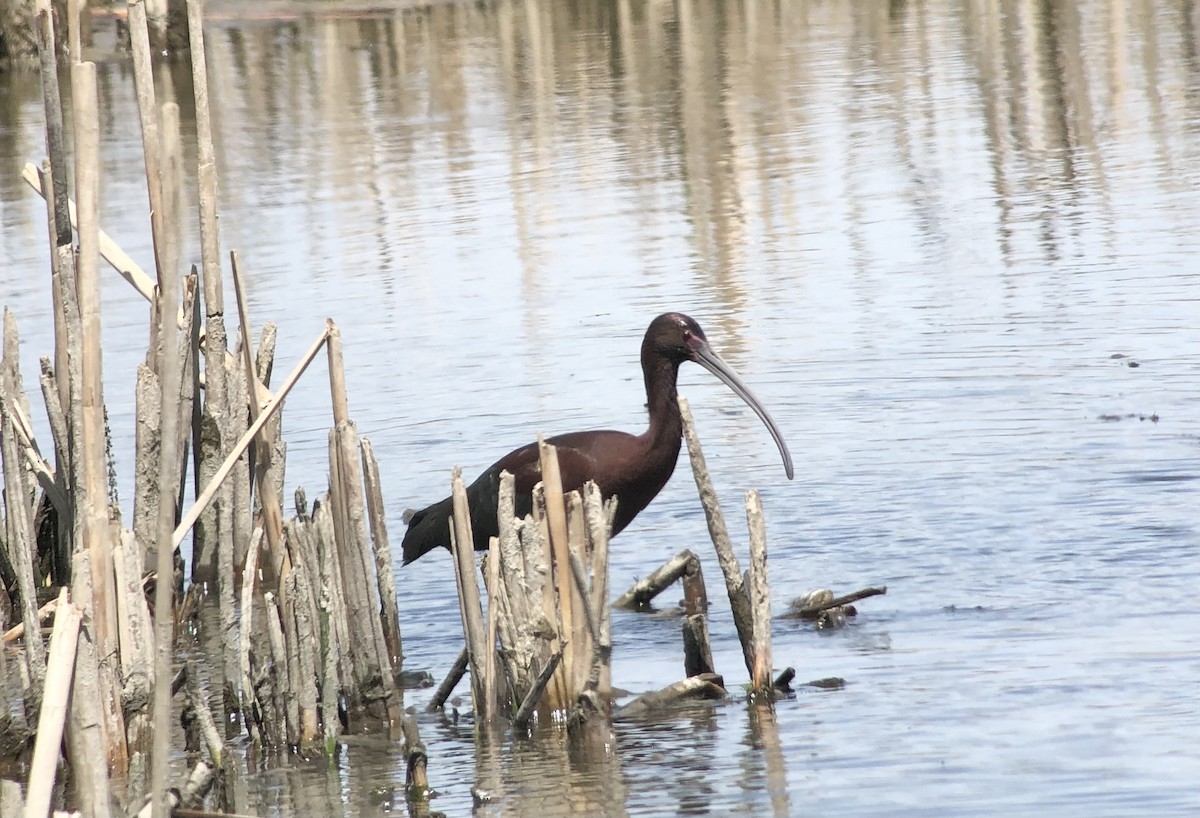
column 920, row 229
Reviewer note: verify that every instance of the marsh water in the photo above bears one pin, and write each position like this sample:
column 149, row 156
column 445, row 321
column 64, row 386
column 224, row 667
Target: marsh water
column 951, row 244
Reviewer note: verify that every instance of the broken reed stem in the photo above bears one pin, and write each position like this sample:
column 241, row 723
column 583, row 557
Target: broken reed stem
column 739, row 600
column 55, row 132
column 658, row 580
column 560, row 566
column 60, row 672
column 416, row 781
column 231, row 459
column 206, row 170
column 760, row 595
column 91, row 440
column 469, row 605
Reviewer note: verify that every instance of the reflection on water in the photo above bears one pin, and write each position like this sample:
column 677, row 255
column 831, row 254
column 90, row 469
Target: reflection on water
column 921, row 230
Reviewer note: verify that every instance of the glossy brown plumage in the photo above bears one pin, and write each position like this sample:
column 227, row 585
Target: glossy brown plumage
column 634, row 468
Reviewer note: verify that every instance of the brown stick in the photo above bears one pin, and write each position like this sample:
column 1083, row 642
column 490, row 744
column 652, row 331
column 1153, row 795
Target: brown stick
column 457, row 670
column 739, row 600
column 416, row 781
column 760, row 595
column 658, row 580
column 697, row 650
column 837, row 602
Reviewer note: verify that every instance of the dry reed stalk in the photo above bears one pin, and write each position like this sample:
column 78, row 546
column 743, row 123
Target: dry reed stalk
column 760, row 595
column 490, row 687
column 469, row 605
column 92, row 440
column 146, row 442
column 61, row 554
column 585, row 630
column 739, row 599
column 74, row 40
column 170, row 375
column 305, row 629
column 280, row 679
column 338, row 653
column 55, row 132
column 600, row 515
column 245, row 623
column 215, row 344
column 384, row 574
column 556, row 519
column 59, row 674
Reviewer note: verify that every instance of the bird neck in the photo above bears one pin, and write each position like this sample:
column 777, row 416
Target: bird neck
column 666, row 425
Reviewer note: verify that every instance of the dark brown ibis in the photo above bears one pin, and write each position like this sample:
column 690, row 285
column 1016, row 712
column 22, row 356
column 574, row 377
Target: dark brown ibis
column 634, row 468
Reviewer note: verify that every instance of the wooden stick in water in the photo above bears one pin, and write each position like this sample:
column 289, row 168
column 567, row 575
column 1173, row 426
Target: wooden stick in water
column 760, row 595
column 658, row 580
column 739, row 600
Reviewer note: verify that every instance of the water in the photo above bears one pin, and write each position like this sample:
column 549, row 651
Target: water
column 922, row 232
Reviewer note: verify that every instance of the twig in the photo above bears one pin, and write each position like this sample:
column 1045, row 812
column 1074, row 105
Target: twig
column 659, row 580
column 739, row 599
column 837, row 602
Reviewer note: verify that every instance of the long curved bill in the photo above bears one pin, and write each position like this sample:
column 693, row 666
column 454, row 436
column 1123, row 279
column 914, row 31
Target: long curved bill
column 713, row 363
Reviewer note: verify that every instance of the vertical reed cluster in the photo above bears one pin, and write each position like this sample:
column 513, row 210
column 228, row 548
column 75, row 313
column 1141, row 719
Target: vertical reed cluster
column 546, row 645
column 304, row 626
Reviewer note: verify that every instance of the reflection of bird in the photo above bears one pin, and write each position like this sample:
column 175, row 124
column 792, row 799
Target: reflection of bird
column 634, row 468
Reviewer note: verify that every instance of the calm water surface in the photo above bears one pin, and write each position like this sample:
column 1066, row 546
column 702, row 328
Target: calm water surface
column 924, row 232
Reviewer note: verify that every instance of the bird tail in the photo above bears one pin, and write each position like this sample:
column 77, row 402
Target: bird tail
column 427, row 529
